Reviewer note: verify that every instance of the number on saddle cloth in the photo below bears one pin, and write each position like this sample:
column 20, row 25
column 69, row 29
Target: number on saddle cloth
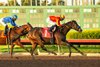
column 46, row 32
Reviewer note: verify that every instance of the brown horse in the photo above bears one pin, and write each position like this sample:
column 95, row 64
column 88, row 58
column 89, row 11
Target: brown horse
column 14, row 36
column 36, row 38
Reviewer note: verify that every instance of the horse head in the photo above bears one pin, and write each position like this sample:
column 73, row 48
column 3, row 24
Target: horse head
column 73, row 25
column 22, row 30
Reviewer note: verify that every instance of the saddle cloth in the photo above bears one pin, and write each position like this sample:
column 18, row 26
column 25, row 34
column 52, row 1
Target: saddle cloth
column 2, row 34
column 46, row 33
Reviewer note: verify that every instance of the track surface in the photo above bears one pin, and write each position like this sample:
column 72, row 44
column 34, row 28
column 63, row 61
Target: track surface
column 49, row 61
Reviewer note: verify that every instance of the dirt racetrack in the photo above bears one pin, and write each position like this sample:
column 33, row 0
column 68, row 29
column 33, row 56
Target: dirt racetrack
column 50, row 61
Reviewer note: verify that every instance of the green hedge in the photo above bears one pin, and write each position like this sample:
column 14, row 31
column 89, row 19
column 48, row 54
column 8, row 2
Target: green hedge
column 86, row 34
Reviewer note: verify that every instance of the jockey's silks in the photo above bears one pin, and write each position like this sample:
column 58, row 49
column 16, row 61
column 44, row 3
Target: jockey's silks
column 9, row 20
column 55, row 20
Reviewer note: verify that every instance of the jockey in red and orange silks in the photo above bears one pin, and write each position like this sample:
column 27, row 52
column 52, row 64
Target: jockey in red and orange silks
column 55, row 22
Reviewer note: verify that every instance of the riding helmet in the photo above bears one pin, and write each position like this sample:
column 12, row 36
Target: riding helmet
column 62, row 16
column 15, row 16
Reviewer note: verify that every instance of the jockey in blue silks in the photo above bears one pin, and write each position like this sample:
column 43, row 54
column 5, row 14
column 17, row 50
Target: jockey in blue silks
column 10, row 20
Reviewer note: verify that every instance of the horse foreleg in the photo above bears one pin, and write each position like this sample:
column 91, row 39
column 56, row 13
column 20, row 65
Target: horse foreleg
column 33, row 48
column 21, row 45
column 69, row 47
column 11, row 51
column 77, row 50
column 33, row 45
column 44, row 48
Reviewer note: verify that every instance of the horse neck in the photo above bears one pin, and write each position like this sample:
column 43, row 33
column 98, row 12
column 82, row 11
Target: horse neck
column 30, row 27
column 66, row 30
column 19, row 30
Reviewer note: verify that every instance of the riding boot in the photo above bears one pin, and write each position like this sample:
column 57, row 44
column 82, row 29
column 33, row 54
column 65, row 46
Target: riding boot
column 52, row 30
column 52, row 38
column 6, row 30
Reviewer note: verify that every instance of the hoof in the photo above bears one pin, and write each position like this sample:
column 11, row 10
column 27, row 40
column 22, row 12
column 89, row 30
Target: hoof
column 16, row 57
column 11, row 56
column 36, row 53
column 69, row 55
column 84, row 54
column 55, row 54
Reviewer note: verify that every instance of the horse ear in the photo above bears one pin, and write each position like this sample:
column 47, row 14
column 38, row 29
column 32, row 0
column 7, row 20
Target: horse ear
column 73, row 21
column 29, row 23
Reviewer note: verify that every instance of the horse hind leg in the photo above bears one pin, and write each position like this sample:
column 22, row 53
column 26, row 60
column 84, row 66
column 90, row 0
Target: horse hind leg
column 39, row 41
column 44, row 48
column 20, row 44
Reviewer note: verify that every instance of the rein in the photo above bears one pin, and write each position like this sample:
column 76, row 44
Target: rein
column 67, row 26
column 17, row 32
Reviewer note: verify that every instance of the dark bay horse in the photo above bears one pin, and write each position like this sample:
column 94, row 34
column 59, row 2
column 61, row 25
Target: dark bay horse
column 35, row 37
column 13, row 36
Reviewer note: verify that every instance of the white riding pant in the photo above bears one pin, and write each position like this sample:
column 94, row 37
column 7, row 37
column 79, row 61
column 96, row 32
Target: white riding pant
column 50, row 23
column 1, row 22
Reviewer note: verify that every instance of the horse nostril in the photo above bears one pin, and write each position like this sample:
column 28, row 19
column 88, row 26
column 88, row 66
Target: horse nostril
column 80, row 30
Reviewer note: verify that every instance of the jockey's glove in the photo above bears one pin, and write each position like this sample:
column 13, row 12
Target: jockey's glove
column 12, row 26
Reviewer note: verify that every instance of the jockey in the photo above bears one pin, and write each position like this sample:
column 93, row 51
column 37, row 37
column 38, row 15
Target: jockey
column 55, row 22
column 10, row 20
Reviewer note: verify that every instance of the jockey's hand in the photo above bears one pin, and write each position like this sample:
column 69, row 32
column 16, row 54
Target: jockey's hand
column 19, row 26
column 12, row 26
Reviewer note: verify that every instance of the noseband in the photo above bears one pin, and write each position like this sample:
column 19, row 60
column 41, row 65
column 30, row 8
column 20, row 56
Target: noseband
column 79, row 27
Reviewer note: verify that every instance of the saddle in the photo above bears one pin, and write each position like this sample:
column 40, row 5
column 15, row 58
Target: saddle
column 46, row 33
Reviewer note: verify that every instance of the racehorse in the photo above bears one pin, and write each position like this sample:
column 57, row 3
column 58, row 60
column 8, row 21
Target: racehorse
column 13, row 36
column 36, row 38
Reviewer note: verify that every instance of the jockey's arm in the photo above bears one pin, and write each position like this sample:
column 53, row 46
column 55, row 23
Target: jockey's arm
column 58, row 22
column 13, row 23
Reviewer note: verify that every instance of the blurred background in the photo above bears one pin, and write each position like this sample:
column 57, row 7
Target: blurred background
column 47, row 2
column 85, row 12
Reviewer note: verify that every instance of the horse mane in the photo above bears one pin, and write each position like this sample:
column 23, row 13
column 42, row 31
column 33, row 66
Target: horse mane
column 67, row 23
column 14, row 28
